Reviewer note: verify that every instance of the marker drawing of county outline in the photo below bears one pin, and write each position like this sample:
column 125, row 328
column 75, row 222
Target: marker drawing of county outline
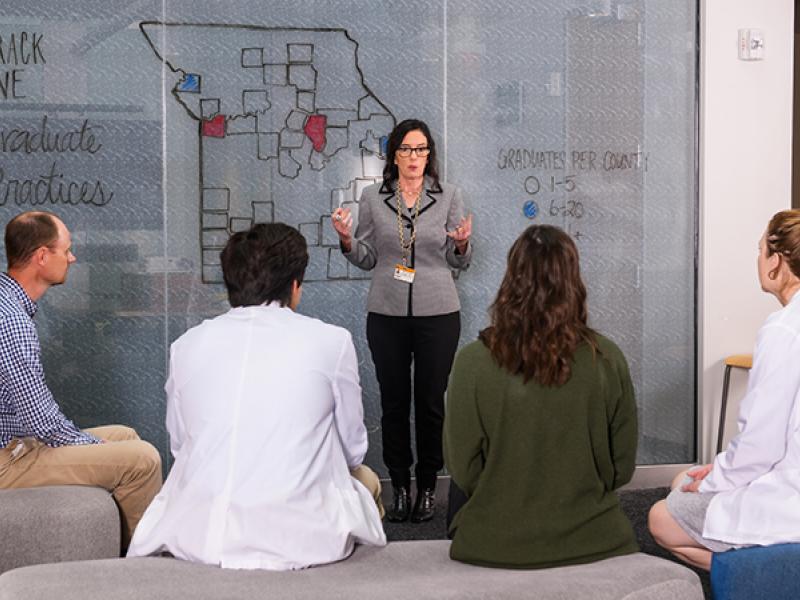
column 281, row 113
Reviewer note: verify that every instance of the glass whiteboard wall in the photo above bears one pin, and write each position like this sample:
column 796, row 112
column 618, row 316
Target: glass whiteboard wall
column 155, row 129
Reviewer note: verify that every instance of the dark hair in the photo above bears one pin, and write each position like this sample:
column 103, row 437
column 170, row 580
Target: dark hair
column 390, row 172
column 259, row 265
column 783, row 238
column 26, row 233
column 539, row 316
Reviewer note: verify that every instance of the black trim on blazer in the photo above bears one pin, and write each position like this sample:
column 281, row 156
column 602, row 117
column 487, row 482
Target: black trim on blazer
column 393, row 207
column 389, row 193
column 387, row 189
column 410, row 312
column 422, row 209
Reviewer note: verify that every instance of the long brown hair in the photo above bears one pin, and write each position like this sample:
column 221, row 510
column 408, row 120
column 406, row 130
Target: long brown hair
column 539, row 316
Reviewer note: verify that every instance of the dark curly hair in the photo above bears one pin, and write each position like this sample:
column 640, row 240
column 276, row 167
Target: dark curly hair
column 539, row 317
column 390, row 173
column 259, row 265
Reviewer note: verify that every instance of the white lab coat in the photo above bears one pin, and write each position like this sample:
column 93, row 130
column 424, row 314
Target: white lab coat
column 264, row 415
column 758, row 476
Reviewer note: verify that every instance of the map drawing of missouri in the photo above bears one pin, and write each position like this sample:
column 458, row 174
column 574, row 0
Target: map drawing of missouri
column 287, row 130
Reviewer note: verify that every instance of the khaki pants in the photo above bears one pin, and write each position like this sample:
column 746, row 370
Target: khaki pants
column 124, row 465
column 369, row 480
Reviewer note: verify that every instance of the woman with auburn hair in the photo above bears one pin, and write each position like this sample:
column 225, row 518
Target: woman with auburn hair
column 750, row 494
column 540, row 427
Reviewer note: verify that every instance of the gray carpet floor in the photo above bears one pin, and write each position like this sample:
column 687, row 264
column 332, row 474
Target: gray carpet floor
column 635, row 504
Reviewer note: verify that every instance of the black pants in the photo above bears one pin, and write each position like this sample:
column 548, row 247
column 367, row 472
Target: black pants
column 456, row 499
column 431, row 342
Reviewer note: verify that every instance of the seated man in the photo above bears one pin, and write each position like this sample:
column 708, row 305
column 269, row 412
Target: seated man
column 266, row 426
column 38, row 445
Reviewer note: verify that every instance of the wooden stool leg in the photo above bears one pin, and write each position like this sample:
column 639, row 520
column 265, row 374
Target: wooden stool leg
column 723, row 407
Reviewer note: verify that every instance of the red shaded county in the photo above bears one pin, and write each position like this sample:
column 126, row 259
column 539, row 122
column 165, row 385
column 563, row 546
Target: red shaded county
column 214, row 127
column 315, row 130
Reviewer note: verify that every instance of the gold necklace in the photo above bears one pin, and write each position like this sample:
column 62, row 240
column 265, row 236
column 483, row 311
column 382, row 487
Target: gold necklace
column 407, row 194
column 405, row 246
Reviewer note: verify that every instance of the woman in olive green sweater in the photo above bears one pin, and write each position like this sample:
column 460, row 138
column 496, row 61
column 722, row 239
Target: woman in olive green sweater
column 540, row 427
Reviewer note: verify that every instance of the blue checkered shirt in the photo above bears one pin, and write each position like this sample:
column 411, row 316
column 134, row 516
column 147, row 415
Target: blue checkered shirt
column 27, row 407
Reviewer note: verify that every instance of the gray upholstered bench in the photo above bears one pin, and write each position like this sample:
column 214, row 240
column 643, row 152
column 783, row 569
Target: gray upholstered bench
column 58, row 523
column 418, row 570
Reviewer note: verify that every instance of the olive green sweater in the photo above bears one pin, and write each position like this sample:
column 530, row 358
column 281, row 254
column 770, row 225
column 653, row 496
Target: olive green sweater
column 540, row 464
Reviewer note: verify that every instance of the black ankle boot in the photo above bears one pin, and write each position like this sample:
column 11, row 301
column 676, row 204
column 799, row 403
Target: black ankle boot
column 401, row 505
column 424, row 506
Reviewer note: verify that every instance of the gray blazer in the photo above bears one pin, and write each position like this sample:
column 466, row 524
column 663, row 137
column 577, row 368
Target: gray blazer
column 376, row 245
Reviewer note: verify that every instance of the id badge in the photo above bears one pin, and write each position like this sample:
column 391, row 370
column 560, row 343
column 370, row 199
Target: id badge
column 402, row 273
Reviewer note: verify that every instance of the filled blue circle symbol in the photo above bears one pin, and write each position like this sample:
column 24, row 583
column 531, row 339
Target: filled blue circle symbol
column 531, row 209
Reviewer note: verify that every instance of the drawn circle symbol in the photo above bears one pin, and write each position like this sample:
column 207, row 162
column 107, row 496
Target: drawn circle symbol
column 531, row 209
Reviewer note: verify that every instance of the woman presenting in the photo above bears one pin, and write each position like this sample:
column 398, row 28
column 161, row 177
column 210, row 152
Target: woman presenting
column 411, row 230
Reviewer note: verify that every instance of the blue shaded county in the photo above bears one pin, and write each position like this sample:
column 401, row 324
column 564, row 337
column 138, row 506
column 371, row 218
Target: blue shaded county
column 384, row 144
column 531, row 209
column 190, row 83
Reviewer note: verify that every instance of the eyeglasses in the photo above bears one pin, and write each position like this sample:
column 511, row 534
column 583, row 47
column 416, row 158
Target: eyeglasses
column 405, row 151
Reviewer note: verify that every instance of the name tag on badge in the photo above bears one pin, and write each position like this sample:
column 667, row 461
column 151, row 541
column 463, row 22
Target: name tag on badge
column 402, row 273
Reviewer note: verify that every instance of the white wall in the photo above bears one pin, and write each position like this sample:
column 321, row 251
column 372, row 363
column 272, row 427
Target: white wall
column 745, row 177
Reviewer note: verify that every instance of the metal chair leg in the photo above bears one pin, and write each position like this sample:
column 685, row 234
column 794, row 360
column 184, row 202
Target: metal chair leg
column 723, row 407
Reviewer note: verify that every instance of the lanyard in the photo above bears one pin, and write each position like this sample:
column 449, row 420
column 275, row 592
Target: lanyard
column 405, row 246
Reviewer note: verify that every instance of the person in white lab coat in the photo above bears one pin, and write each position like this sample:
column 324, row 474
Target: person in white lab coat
column 266, row 426
column 750, row 494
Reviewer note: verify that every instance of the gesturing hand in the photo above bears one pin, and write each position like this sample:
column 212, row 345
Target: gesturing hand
column 697, row 476
column 343, row 223
column 461, row 233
